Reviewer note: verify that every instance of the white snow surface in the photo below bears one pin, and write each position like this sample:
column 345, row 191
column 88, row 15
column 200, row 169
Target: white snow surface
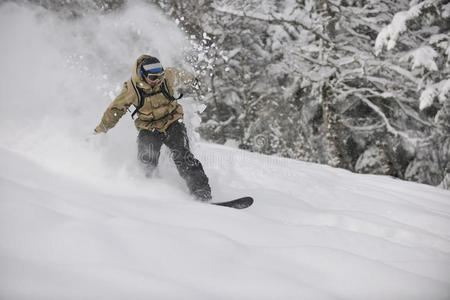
column 313, row 233
column 78, row 220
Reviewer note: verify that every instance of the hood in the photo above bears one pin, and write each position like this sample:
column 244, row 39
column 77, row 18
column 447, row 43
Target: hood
column 136, row 77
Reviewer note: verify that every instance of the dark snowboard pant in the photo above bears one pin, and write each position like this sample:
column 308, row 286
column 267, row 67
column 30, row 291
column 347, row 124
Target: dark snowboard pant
column 176, row 139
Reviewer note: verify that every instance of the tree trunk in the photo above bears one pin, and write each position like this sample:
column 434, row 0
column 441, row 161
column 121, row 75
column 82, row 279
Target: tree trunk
column 336, row 149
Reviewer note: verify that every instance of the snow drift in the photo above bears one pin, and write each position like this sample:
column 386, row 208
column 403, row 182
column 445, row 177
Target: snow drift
column 313, row 233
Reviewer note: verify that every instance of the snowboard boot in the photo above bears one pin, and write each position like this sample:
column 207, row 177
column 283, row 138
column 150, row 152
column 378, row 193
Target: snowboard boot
column 202, row 194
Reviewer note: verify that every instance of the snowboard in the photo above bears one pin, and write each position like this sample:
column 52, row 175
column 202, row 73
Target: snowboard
column 238, row 203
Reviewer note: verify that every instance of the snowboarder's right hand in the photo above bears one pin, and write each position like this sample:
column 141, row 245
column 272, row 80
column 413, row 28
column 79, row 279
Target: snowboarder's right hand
column 99, row 129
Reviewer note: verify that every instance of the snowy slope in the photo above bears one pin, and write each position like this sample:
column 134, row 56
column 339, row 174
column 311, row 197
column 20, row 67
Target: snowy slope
column 78, row 220
column 313, row 233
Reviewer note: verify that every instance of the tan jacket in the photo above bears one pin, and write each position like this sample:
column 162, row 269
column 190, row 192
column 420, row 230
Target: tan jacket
column 158, row 112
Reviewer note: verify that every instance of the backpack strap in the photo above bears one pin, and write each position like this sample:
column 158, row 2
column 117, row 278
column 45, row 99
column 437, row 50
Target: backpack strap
column 165, row 92
column 141, row 95
column 140, row 99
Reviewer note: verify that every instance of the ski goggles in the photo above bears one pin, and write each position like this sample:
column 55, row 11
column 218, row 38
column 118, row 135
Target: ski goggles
column 154, row 77
column 152, row 72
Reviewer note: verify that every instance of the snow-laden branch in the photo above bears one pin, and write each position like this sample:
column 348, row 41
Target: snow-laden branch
column 405, row 73
column 389, row 35
column 387, row 95
column 402, row 106
column 314, row 61
column 439, row 90
column 388, row 125
column 272, row 18
column 369, row 128
column 422, row 57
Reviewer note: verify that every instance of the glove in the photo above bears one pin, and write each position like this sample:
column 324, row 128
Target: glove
column 99, row 129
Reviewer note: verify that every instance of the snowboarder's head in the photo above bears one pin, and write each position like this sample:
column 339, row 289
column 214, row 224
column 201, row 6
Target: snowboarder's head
column 151, row 71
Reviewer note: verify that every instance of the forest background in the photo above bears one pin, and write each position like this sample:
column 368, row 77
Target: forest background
column 357, row 84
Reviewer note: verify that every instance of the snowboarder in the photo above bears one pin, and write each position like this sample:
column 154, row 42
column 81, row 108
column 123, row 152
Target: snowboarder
column 159, row 120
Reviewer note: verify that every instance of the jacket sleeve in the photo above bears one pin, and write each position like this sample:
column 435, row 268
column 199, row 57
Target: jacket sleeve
column 180, row 77
column 118, row 108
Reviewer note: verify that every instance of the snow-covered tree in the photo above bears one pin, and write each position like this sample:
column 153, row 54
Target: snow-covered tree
column 373, row 102
column 355, row 84
column 417, row 40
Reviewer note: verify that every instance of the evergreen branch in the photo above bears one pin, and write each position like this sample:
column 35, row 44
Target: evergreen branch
column 400, row 104
column 388, row 125
column 272, row 19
